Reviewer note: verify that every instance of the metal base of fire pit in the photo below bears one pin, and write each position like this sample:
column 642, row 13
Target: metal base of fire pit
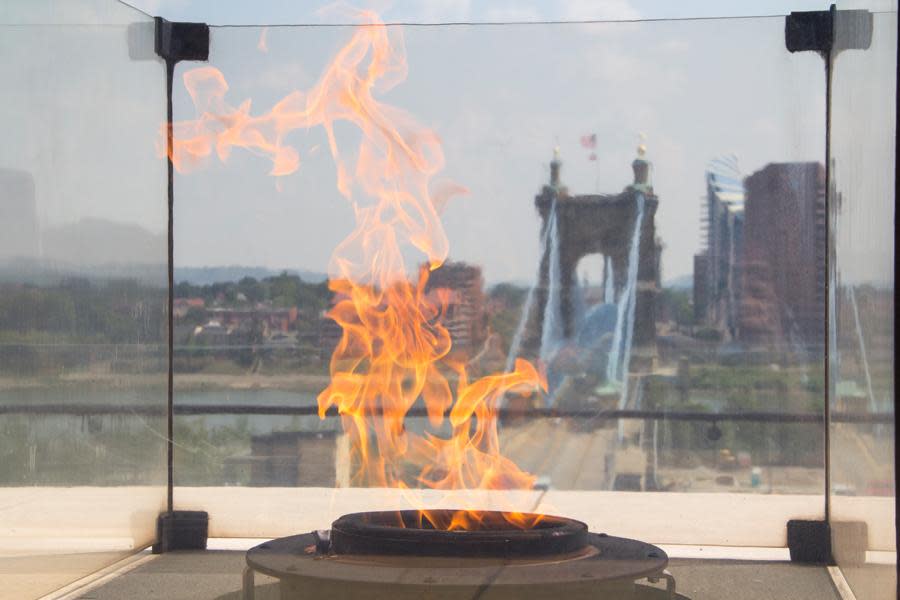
column 364, row 558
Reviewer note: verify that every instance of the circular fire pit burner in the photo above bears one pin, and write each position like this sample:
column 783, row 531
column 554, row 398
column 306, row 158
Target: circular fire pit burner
column 407, row 533
column 397, row 555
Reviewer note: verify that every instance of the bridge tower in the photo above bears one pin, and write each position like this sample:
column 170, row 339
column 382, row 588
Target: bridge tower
column 600, row 223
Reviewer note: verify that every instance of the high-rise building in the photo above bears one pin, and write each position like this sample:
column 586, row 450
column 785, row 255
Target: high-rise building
column 761, row 276
column 462, row 286
column 784, row 246
column 700, row 293
column 717, row 276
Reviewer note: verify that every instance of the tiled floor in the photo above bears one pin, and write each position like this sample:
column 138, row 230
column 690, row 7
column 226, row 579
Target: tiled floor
column 216, row 575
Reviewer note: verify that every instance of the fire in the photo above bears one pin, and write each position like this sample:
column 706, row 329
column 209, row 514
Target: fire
column 394, row 351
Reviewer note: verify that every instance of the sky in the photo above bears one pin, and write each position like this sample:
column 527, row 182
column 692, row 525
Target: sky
column 264, row 12
column 500, row 98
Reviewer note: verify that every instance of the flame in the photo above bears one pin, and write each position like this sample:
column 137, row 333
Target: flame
column 262, row 45
column 394, row 351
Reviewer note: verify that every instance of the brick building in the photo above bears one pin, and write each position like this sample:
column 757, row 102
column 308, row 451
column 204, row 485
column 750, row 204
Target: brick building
column 782, row 300
column 463, row 286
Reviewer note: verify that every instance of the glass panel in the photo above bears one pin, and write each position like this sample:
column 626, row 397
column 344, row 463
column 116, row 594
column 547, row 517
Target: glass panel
column 683, row 352
column 82, row 290
column 863, row 489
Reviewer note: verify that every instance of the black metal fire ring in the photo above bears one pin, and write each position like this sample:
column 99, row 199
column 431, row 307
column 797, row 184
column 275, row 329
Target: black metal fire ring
column 406, row 533
column 295, row 560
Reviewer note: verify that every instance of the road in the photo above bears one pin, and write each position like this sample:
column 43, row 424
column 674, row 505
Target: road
column 566, row 454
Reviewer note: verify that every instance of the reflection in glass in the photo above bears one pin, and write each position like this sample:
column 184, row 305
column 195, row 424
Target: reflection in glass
column 82, row 292
column 691, row 349
column 863, row 489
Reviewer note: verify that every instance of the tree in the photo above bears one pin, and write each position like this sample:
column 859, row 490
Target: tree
column 508, row 293
column 679, row 305
column 195, row 316
column 253, row 290
column 284, row 289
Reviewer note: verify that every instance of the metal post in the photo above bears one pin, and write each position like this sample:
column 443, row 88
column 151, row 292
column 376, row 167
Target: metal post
column 828, row 33
column 173, row 43
column 170, row 383
column 830, row 278
column 894, row 340
column 248, row 590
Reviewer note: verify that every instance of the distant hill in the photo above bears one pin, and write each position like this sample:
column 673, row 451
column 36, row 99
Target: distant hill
column 684, row 282
column 91, row 248
column 45, row 272
column 209, row 275
column 101, row 242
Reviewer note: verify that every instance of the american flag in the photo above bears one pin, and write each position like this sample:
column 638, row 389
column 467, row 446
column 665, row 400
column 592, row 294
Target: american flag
column 589, row 141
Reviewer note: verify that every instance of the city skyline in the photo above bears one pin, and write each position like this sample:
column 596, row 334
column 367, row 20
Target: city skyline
column 499, row 124
column 690, row 87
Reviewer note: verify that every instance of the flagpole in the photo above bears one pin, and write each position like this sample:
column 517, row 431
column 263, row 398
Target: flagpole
column 590, row 142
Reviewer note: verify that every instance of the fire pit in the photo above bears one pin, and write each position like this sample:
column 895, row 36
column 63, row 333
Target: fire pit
column 406, row 533
column 399, row 555
column 397, row 351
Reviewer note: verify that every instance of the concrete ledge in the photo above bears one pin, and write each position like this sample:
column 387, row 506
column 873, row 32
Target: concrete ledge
column 38, row 519
column 723, row 519
column 124, row 516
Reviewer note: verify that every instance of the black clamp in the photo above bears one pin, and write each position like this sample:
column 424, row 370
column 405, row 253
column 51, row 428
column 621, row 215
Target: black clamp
column 828, row 31
column 175, row 41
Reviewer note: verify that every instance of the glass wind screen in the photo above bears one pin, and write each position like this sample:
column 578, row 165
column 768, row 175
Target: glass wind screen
column 863, row 489
column 82, row 291
column 633, row 269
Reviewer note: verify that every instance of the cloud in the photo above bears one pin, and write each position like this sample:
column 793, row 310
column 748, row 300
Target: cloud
column 513, row 13
column 583, row 10
column 157, row 7
column 674, row 46
column 432, row 11
column 284, row 77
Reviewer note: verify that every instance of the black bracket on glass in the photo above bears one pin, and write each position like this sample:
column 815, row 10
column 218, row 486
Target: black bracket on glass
column 174, row 42
column 181, row 530
column 809, row 541
column 828, row 31
column 828, row 543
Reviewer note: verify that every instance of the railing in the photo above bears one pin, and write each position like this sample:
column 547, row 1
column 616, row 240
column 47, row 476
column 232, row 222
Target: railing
column 540, row 413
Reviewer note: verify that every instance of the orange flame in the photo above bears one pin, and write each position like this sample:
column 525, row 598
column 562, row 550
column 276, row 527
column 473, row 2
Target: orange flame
column 262, row 45
column 394, row 351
